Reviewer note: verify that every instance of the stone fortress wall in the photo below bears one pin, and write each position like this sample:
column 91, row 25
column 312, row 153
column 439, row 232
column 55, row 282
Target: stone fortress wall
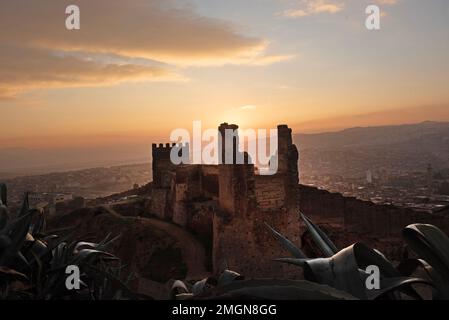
column 365, row 216
column 228, row 205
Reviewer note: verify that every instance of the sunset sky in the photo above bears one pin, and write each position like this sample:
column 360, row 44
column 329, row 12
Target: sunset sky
column 139, row 68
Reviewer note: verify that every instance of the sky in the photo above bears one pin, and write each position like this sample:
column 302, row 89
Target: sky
column 138, row 69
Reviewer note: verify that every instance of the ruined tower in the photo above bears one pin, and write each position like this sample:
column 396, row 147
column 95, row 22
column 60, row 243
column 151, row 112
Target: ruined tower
column 229, row 203
column 163, row 174
column 236, row 181
column 247, row 201
column 162, row 164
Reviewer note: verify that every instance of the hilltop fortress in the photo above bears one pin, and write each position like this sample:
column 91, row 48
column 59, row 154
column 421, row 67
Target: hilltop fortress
column 229, row 204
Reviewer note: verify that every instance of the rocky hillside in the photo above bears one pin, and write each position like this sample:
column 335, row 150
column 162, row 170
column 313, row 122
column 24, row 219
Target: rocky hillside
column 151, row 255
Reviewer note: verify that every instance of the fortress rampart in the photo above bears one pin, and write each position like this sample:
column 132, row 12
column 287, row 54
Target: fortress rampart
column 364, row 216
column 228, row 205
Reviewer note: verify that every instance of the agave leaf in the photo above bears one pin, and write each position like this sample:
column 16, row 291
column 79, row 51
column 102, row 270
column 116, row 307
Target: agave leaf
column 107, row 242
column 23, row 259
column 228, row 277
column 39, row 249
column 50, row 248
column 39, row 273
column 13, row 273
column 345, row 271
column 409, row 266
column 432, row 245
column 86, row 255
column 3, row 194
column 18, row 233
column 320, row 238
column 58, row 260
column 25, row 205
column 340, row 272
column 279, row 290
column 57, row 231
column 199, row 287
column 16, row 223
column 366, row 256
column 38, row 225
column 84, row 245
column 178, row 287
column 390, row 285
column 185, row 296
column 4, row 216
column 117, row 284
column 287, row 244
column 293, row 261
column 49, row 238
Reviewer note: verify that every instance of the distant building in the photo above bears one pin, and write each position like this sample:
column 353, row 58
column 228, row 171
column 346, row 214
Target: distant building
column 429, row 178
column 369, row 176
column 50, row 203
column 50, row 197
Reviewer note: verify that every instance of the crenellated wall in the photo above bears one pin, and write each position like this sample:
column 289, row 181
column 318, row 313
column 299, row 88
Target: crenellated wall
column 162, row 164
column 228, row 205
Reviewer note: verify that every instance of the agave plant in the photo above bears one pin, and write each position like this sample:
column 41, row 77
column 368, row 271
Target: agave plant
column 231, row 285
column 33, row 262
column 339, row 274
column 344, row 269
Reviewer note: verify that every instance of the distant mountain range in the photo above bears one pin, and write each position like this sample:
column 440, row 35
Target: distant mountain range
column 426, row 134
column 430, row 139
column 408, row 148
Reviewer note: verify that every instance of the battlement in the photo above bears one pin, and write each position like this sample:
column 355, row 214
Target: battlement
column 242, row 201
column 163, row 164
column 168, row 146
column 163, row 151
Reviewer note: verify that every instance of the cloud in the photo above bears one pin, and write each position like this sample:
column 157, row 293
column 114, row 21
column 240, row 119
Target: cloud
column 312, row 7
column 136, row 31
column 151, row 29
column 268, row 59
column 390, row 2
column 25, row 69
column 248, row 107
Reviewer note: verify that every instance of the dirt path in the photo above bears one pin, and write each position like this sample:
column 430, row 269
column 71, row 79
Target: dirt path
column 192, row 249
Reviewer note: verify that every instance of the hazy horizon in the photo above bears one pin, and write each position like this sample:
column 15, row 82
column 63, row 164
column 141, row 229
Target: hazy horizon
column 24, row 161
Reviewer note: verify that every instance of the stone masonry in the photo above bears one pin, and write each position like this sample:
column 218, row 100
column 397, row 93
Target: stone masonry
column 229, row 204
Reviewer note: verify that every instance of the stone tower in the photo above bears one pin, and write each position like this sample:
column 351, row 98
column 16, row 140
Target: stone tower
column 163, row 174
column 247, row 201
column 162, row 164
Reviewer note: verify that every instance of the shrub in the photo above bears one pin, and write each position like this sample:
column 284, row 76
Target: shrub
column 33, row 262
